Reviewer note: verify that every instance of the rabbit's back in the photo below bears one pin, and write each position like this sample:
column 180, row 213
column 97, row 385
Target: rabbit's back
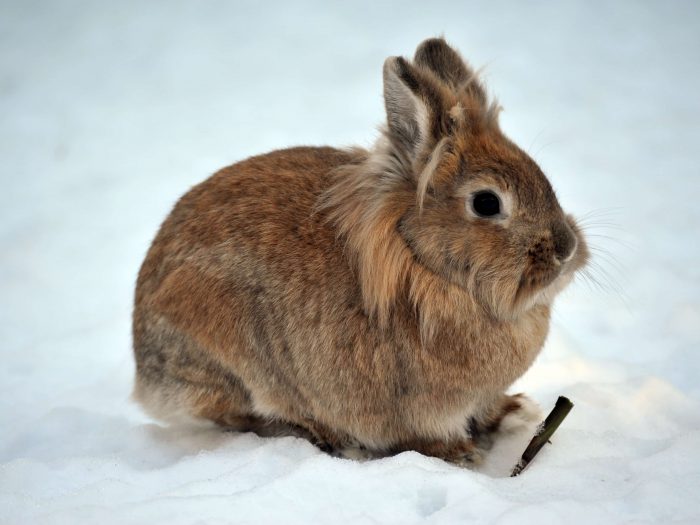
column 261, row 209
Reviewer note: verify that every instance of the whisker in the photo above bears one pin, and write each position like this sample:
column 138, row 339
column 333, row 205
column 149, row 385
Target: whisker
column 590, row 280
column 620, row 242
column 543, row 146
column 586, row 225
column 585, row 275
column 606, row 256
column 534, row 140
column 601, row 212
column 604, row 271
column 610, row 285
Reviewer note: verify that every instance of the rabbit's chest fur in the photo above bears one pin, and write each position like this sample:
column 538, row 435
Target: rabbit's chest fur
column 263, row 286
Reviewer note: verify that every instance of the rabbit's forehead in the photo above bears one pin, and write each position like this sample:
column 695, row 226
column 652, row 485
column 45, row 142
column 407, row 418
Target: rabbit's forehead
column 509, row 169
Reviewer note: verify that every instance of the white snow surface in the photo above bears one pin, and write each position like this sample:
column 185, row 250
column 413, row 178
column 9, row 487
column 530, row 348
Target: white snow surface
column 109, row 111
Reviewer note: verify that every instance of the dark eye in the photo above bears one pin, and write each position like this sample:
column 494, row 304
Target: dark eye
column 486, row 204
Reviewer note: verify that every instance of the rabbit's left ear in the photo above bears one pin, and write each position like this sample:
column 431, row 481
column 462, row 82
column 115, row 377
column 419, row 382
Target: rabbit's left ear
column 413, row 107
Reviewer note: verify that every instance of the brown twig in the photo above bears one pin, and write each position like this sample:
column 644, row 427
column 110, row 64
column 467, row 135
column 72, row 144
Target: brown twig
column 551, row 424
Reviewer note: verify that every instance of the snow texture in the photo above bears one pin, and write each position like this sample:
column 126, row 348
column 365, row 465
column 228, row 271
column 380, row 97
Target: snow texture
column 111, row 110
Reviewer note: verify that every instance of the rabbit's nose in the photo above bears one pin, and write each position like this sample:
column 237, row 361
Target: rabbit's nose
column 565, row 242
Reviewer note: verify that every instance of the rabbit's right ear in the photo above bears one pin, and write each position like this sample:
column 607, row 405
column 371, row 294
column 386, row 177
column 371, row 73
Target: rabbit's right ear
column 412, row 105
column 435, row 54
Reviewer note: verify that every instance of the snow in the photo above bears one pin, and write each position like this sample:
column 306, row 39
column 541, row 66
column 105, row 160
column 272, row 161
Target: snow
column 110, row 111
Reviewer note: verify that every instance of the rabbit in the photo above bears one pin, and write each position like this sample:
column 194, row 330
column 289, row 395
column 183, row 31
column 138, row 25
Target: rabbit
column 371, row 301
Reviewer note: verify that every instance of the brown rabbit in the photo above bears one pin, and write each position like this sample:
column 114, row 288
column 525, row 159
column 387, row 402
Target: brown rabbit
column 373, row 301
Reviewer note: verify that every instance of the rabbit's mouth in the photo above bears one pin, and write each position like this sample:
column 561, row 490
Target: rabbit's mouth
column 533, row 284
column 546, row 294
column 540, row 289
column 541, row 284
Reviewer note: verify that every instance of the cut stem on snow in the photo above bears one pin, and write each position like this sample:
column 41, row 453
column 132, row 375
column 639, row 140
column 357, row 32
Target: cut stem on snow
column 561, row 409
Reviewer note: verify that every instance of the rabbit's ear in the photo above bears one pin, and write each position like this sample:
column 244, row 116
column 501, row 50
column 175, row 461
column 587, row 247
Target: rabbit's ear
column 412, row 106
column 442, row 60
column 446, row 63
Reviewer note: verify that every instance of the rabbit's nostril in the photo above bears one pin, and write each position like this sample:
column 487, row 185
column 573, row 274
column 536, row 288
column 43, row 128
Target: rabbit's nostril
column 565, row 242
column 570, row 255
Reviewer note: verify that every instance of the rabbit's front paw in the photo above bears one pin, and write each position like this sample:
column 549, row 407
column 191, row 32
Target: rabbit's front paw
column 519, row 412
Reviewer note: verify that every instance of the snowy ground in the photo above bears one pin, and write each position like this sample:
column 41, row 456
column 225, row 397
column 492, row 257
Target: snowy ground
column 110, row 111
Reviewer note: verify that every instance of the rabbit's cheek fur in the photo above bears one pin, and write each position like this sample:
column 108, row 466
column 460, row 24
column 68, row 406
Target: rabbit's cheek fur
column 479, row 258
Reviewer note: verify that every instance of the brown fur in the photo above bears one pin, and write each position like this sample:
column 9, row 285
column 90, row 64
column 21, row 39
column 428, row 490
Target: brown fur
column 349, row 296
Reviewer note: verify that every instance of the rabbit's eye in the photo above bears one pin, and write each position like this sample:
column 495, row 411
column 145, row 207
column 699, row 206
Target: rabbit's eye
column 486, row 204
